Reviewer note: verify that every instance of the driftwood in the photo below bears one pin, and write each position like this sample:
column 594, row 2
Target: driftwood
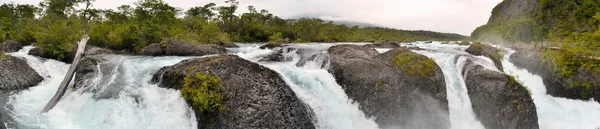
column 65, row 83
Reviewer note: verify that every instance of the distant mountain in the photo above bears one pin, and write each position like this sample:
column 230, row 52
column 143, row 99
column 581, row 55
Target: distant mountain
column 353, row 23
column 325, row 16
column 421, row 34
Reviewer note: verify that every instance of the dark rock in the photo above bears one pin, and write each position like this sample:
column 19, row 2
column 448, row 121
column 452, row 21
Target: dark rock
column 498, row 100
column 530, row 58
column 428, row 42
column 68, row 57
column 227, row 44
column 178, row 48
column 96, row 70
column 383, row 45
column 393, row 97
column 489, row 51
column 277, row 55
column 256, row 96
column 10, row 46
column 16, row 74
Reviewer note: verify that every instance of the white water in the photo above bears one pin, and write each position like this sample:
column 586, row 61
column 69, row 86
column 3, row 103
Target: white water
column 315, row 87
column 138, row 106
column 553, row 112
column 451, row 59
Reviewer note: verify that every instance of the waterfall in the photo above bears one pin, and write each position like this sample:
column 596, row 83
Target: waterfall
column 139, row 105
column 316, row 87
column 125, row 99
column 554, row 112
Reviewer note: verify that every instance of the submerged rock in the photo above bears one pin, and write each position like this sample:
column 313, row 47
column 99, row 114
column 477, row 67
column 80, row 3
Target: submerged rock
column 178, row 48
column 256, row 96
column 530, row 58
column 398, row 93
column 488, row 51
column 499, row 101
column 16, row 74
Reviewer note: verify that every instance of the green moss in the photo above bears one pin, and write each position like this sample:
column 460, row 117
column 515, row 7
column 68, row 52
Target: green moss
column 379, row 85
column 2, row 55
column 410, row 63
column 203, row 92
column 478, row 45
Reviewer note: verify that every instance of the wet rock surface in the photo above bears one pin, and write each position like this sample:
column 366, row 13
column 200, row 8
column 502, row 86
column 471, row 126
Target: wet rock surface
column 498, row 100
column 394, row 97
column 256, row 96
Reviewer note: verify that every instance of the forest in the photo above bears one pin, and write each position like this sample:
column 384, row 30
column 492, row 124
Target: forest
column 571, row 25
column 55, row 26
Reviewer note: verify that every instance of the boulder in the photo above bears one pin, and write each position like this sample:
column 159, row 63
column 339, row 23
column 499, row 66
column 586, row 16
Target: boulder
column 530, row 58
column 383, row 45
column 464, row 43
column 399, row 88
column 10, row 46
column 256, row 96
column 16, row 74
column 40, row 52
column 178, row 48
column 488, row 51
column 68, row 57
column 498, row 100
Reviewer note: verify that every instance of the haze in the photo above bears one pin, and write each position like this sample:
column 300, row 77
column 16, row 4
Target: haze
column 450, row 16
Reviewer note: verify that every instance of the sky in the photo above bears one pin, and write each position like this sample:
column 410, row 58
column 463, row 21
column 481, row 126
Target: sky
column 449, row 16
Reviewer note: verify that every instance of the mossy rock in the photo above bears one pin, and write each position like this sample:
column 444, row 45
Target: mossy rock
column 495, row 54
column 227, row 91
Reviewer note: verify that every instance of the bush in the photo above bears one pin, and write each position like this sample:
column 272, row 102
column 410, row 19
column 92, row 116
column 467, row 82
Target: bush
column 203, row 92
column 276, row 37
column 57, row 37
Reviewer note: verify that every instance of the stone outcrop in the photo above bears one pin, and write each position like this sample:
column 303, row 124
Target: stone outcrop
column 16, row 74
column 256, row 96
column 10, row 46
column 178, row 48
column 390, row 88
column 571, row 87
column 488, row 51
column 499, row 101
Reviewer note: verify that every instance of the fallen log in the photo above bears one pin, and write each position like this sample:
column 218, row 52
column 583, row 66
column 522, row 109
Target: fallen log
column 65, row 83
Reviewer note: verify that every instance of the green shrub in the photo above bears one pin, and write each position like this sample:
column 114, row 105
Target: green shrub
column 57, row 36
column 203, row 92
column 276, row 37
column 412, row 64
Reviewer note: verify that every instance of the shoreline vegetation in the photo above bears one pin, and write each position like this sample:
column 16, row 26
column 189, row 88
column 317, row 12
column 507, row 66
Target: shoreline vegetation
column 569, row 28
column 55, row 26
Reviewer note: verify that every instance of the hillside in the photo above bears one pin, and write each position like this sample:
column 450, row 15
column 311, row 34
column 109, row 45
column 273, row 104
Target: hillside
column 538, row 20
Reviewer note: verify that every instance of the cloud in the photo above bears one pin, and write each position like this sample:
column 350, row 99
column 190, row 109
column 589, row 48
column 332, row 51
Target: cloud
column 453, row 16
